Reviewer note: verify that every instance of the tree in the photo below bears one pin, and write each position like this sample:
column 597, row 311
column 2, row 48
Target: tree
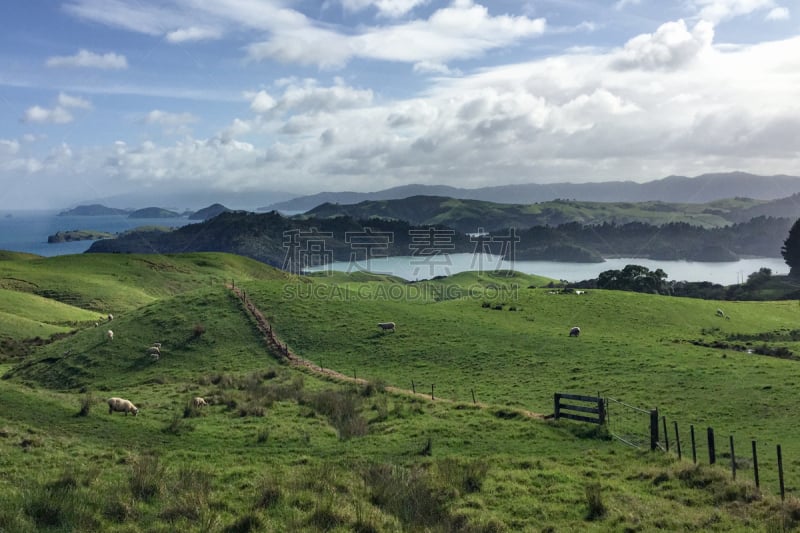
column 791, row 250
column 635, row 278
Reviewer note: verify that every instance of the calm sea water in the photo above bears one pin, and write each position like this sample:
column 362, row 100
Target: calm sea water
column 412, row 268
column 27, row 231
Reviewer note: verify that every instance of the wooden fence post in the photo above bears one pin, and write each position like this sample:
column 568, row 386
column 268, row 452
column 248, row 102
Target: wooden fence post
column 413, row 387
column 733, row 460
column 666, row 435
column 432, row 398
column 694, row 447
column 601, row 410
column 712, row 453
column 755, row 464
column 678, row 440
column 557, row 406
column 473, row 396
column 653, row 429
column 780, row 473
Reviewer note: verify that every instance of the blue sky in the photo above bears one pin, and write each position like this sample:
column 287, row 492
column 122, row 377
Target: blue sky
column 107, row 99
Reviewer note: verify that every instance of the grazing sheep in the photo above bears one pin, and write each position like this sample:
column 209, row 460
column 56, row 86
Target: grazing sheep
column 720, row 312
column 157, row 345
column 153, row 351
column 198, row 402
column 574, row 332
column 386, row 326
column 122, row 405
column 110, row 317
column 155, row 356
column 110, row 335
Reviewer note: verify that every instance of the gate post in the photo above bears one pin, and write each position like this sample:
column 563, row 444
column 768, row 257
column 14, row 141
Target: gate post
column 653, row 429
column 557, row 406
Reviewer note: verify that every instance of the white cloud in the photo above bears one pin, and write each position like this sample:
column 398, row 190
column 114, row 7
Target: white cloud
column 386, row 8
column 719, row 10
column 65, row 100
column 671, row 46
column 57, row 115
column 9, row 147
column 622, row 4
column 430, row 67
column 778, row 13
column 460, row 31
column 85, row 58
column 307, row 97
column 261, row 102
column 166, row 118
column 193, row 33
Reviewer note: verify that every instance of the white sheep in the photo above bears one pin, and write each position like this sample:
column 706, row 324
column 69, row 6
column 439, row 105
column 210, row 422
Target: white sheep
column 110, row 335
column 574, row 332
column 110, row 317
column 122, row 405
column 720, row 312
column 157, row 345
column 153, row 350
column 198, row 402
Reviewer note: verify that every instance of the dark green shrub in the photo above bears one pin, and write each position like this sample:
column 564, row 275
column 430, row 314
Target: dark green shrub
column 146, row 478
column 594, row 502
column 86, row 403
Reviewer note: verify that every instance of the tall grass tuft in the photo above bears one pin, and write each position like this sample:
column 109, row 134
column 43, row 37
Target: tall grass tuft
column 86, row 403
column 466, row 476
column 146, row 478
column 245, row 524
column 407, row 494
column 594, row 502
column 343, row 410
column 177, row 426
column 268, row 493
column 188, row 495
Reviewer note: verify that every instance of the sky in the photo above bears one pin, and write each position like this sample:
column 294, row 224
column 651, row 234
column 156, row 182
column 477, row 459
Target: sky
column 123, row 99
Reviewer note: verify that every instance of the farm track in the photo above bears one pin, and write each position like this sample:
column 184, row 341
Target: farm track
column 282, row 351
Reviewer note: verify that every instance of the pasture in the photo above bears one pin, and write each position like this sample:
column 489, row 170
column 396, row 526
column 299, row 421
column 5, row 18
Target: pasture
column 281, row 448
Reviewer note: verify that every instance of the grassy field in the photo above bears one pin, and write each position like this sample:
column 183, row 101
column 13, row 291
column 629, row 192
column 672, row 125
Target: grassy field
column 282, row 449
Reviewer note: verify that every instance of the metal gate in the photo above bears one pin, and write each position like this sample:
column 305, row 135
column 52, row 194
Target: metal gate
column 632, row 425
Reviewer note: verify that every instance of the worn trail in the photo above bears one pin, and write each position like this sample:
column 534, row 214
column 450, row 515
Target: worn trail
column 282, row 351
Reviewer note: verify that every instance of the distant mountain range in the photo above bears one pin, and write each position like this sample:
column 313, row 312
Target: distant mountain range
column 470, row 216
column 147, row 212
column 674, row 189
column 302, row 241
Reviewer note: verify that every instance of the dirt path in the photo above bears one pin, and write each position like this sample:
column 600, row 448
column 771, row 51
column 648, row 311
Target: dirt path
column 282, row 351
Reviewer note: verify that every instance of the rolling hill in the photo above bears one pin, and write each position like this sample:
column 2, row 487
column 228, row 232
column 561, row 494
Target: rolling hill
column 674, row 189
column 284, row 448
column 472, row 215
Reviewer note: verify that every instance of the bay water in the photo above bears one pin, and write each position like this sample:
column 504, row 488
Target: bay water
column 27, row 231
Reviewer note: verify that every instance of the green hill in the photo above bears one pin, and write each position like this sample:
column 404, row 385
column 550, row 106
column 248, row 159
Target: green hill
column 153, row 212
column 282, row 448
column 472, row 215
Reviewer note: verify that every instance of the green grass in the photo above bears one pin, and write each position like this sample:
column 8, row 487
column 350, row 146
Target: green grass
column 282, row 449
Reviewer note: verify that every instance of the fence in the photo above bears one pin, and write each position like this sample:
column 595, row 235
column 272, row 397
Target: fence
column 630, row 424
column 565, row 410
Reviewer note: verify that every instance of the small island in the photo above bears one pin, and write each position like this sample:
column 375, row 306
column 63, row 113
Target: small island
column 93, row 210
column 154, row 212
column 78, row 235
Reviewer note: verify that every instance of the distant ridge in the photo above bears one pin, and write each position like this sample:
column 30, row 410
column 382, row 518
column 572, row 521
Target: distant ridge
column 673, row 189
column 208, row 212
column 93, row 210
